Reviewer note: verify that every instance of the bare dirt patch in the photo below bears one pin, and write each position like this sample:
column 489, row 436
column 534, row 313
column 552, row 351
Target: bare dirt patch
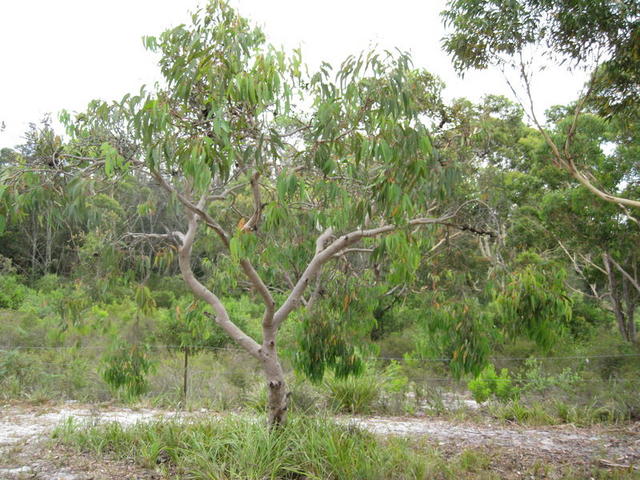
column 26, row 453
column 583, row 444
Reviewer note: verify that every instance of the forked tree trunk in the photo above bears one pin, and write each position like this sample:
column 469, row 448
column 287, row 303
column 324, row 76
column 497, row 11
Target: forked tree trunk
column 266, row 353
column 327, row 249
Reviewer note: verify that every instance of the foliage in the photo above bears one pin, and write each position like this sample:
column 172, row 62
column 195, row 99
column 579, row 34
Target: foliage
column 535, row 303
column 12, row 292
column 489, row 383
column 354, row 394
column 12, row 363
column 515, row 411
column 582, row 32
column 368, row 391
column 535, row 379
column 328, row 334
column 269, row 155
column 126, row 367
column 458, row 332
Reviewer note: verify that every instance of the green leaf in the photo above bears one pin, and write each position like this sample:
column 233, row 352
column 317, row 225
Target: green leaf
column 236, row 249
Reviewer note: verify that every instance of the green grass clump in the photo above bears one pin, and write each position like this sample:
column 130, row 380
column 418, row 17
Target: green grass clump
column 514, row 411
column 353, row 394
column 237, row 448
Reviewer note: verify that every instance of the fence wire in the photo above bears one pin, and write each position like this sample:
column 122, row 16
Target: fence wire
column 419, row 361
column 240, row 350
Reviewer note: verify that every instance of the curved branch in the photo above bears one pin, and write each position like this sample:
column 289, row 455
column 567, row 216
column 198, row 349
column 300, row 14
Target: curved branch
column 202, row 292
column 197, row 209
column 632, row 280
column 324, row 254
column 566, row 161
column 246, row 265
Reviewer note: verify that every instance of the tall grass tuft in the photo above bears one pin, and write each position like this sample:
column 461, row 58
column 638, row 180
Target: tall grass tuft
column 239, row 448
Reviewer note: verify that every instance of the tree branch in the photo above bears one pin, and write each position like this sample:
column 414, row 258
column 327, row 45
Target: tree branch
column 164, row 236
column 254, row 221
column 210, row 222
column 566, row 162
column 202, row 292
column 632, row 280
column 327, row 253
column 227, row 192
column 246, row 265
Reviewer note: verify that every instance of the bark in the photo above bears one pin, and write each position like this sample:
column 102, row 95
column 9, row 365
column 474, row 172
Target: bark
column 202, row 292
column 266, row 353
column 278, row 396
column 48, row 246
column 630, row 304
column 625, row 325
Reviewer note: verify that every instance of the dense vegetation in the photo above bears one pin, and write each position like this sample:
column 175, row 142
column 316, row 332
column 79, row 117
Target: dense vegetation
column 363, row 242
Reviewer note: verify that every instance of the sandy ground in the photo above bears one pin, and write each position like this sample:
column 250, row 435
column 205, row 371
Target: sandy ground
column 25, row 454
column 621, row 445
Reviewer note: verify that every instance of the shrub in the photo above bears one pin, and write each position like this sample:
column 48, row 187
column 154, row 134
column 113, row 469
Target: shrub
column 48, row 283
column 164, row 298
column 360, row 393
column 354, row 394
column 535, row 380
column 12, row 292
column 489, row 383
column 126, row 367
column 12, row 363
column 514, row 411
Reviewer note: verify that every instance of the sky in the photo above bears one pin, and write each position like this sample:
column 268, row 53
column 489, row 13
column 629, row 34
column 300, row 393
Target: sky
column 61, row 54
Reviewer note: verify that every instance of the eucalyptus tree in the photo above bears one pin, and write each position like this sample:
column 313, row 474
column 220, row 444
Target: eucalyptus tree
column 329, row 162
column 548, row 214
column 60, row 214
column 598, row 36
column 599, row 240
column 40, row 203
column 602, row 250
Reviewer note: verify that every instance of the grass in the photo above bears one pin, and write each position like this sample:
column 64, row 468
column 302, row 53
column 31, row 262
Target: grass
column 236, row 448
column 307, row 448
column 356, row 395
column 558, row 412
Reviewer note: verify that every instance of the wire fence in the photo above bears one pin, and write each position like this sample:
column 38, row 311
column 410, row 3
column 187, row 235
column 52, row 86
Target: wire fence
column 382, row 357
column 584, row 360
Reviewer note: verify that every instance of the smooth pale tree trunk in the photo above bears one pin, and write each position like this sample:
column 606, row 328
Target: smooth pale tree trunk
column 278, row 397
column 266, row 353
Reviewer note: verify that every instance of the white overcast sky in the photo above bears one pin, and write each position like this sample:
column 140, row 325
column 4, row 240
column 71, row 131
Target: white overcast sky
column 60, row 54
